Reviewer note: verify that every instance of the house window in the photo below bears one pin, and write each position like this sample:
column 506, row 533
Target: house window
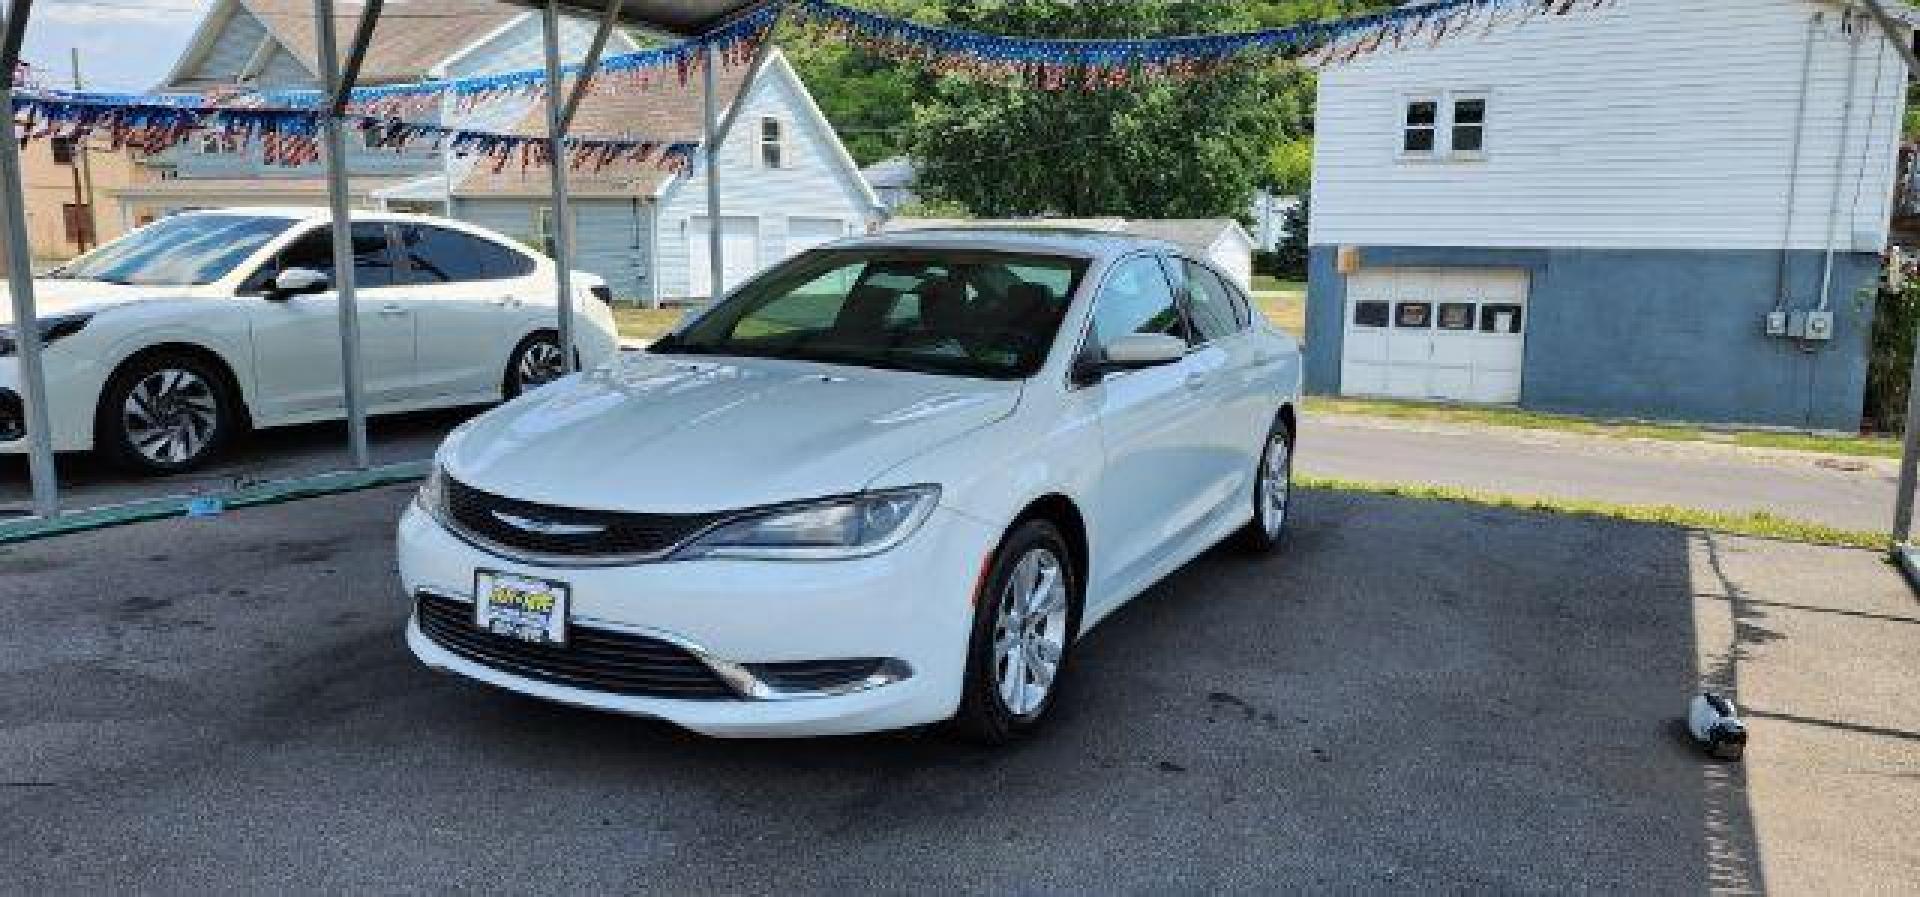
column 1469, row 125
column 771, row 148
column 1452, row 125
column 218, row 143
column 1421, row 127
column 62, row 150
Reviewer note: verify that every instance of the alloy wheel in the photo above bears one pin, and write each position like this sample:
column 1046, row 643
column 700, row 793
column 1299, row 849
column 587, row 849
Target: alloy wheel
column 540, row 364
column 171, row 416
column 1030, row 634
column 1276, row 485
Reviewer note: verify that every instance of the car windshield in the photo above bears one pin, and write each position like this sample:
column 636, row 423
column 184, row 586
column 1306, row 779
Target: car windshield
column 972, row 314
column 185, row 250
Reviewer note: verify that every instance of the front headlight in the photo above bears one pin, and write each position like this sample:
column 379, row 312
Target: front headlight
column 831, row 529
column 432, row 496
column 51, row 329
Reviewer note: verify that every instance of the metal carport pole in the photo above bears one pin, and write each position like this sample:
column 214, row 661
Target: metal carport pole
column 714, row 130
column 559, row 120
column 710, row 151
column 1910, row 455
column 339, row 82
column 13, row 222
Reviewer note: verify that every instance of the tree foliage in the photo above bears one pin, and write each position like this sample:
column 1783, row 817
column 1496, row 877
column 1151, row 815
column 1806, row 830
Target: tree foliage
column 1187, row 149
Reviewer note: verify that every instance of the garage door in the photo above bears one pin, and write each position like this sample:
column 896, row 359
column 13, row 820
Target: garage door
column 805, row 233
column 1454, row 335
column 739, row 251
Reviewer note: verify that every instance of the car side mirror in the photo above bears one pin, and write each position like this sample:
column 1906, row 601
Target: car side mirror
column 1131, row 353
column 1144, row 350
column 297, row 282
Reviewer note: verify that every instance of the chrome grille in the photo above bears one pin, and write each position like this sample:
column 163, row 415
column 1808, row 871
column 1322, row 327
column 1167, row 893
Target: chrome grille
column 541, row 529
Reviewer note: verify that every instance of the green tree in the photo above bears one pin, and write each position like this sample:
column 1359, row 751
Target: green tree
column 867, row 97
column 1157, row 149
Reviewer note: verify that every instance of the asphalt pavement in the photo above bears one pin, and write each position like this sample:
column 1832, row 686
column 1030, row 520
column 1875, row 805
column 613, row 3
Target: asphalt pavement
column 1413, row 696
column 1846, row 492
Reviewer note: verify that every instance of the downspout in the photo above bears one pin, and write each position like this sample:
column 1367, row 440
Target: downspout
column 1853, row 38
column 1793, row 170
column 654, row 286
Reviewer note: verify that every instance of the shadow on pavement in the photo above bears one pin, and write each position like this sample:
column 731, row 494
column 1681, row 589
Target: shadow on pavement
column 266, row 455
column 1413, row 695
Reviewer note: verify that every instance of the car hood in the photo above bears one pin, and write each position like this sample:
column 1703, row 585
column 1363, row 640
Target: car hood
column 57, row 297
column 683, row 434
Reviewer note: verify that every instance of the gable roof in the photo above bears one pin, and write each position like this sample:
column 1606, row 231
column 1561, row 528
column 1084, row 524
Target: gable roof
column 412, row 38
column 667, row 110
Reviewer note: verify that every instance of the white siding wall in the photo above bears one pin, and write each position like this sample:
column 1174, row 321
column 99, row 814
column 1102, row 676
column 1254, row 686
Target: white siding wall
column 811, row 184
column 1653, row 124
column 237, row 43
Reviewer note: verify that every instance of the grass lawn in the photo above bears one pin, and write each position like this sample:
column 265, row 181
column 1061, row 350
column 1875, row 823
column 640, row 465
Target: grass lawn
column 640, row 322
column 1874, row 447
column 1267, row 283
column 1287, row 311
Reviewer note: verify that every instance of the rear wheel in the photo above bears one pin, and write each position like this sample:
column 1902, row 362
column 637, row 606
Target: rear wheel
column 1022, row 635
column 1272, row 491
column 534, row 363
column 165, row 413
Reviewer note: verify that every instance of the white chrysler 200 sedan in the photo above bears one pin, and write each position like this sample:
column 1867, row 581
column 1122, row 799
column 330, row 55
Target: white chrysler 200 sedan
column 163, row 345
column 886, row 483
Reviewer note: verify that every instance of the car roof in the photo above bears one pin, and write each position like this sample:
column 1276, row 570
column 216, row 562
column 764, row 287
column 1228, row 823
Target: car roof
column 1092, row 244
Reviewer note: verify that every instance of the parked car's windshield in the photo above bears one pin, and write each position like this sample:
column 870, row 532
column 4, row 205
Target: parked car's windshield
column 184, row 250
column 974, row 314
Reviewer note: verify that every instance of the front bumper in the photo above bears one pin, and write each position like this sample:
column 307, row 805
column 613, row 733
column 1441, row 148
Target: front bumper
column 70, row 402
column 911, row 605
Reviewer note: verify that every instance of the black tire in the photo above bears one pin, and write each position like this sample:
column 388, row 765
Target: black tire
column 984, row 714
column 1257, row 536
column 186, row 427
column 535, row 353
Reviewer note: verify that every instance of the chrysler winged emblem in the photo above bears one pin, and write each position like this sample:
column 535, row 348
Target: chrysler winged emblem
column 547, row 527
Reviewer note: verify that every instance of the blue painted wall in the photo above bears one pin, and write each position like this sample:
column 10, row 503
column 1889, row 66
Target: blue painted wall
column 1660, row 334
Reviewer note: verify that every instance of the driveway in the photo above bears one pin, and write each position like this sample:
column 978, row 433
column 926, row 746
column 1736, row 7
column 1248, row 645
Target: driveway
column 1414, row 696
column 1850, row 493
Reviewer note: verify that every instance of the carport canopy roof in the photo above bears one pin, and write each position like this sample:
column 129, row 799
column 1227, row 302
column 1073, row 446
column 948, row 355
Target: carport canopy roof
column 681, row 17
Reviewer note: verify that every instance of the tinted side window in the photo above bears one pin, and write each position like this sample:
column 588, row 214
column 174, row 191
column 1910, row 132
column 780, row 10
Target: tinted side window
column 372, row 261
column 1212, row 303
column 438, row 255
column 1136, row 299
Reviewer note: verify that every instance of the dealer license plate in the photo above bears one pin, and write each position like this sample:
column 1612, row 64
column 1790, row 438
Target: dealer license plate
column 532, row 610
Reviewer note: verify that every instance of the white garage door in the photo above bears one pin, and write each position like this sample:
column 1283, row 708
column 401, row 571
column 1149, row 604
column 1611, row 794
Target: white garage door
column 805, row 233
column 739, row 252
column 1417, row 333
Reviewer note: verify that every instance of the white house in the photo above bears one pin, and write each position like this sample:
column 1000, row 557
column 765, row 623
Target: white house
column 270, row 44
column 1667, row 209
column 786, row 184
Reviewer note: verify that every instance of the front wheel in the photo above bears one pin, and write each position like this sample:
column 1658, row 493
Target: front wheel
column 1022, row 635
column 1272, row 491
column 165, row 414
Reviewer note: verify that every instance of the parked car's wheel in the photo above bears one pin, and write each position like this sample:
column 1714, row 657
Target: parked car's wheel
column 534, row 363
column 1272, row 491
column 166, row 413
column 1022, row 636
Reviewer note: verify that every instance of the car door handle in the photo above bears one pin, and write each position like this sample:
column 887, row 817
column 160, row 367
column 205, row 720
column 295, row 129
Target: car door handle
column 1197, row 380
column 507, row 301
column 393, row 310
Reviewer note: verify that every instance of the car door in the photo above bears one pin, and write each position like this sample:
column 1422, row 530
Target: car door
column 466, row 311
column 1231, row 402
column 296, row 340
column 1153, row 470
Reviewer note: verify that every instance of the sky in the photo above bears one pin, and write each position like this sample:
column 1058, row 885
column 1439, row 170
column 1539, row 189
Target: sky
column 124, row 44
